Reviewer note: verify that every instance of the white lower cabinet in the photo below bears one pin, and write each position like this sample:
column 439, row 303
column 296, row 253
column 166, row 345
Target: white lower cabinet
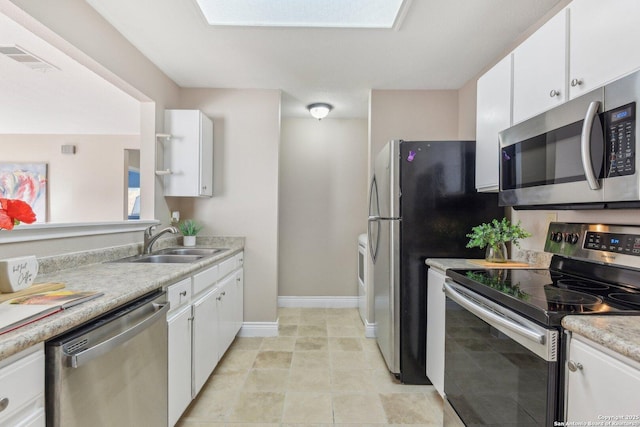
column 435, row 328
column 205, row 317
column 206, row 338
column 601, row 385
column 22, row 389
column 179, row 381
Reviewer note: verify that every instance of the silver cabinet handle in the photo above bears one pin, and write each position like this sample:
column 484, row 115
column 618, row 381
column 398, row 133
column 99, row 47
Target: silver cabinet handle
column 574, row 366
column 554, row 93
column 84, row 356
column 4, row 403
column 585, row 145
column 576, row 82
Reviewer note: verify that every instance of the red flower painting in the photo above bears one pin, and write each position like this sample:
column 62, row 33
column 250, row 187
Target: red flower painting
column 13, row 212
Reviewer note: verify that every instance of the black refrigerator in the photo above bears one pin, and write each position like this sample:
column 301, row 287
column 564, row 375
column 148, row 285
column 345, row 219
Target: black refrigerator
column 422, row 203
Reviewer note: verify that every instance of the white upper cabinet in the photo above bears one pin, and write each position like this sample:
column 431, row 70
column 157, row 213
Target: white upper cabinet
column 494, row 115
column 604, row 37
column 188, row 154
column 540, row 70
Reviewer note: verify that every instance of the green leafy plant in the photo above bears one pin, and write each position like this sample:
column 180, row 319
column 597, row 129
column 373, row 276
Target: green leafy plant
column 495, row 233
column 189, row 227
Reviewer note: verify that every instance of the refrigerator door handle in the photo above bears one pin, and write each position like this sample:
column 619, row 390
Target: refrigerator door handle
column 373, row 249
column 374, row 217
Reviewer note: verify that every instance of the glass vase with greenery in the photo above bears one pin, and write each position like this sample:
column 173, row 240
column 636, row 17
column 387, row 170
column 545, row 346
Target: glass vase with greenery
column 494, row 236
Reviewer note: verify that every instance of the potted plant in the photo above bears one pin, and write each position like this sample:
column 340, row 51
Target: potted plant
column 494, row 236
column 189, row 229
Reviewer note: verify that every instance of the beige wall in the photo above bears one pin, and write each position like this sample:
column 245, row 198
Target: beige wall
column 323, row 204
column 246, row 127
column 78, row 30
column 83, row 187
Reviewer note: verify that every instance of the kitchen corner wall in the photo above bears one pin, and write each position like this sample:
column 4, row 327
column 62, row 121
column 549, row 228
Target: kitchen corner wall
column 246, row 128
column 323, row 204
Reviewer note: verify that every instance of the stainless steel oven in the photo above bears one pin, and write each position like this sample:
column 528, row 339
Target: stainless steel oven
column 504, row 342
column 582, row 154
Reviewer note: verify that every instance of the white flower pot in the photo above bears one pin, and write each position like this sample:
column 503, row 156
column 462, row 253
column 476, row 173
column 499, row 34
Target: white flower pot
column 189, row 240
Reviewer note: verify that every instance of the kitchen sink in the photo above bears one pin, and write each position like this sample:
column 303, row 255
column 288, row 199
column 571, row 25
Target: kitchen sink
column 167, row 258
column 172, row 256
column 190, row 251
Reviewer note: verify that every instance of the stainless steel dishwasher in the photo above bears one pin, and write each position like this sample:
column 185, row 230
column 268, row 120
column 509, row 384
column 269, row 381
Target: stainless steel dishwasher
column 111, row 371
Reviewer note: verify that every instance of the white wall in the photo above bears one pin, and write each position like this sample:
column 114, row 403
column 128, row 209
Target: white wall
column 246, row 127
column 323, row 205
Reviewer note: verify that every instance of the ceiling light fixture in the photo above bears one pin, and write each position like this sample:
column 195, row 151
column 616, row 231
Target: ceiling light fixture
column 319, row 110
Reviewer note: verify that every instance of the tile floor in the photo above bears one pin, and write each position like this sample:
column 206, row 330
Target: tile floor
column 320, row 370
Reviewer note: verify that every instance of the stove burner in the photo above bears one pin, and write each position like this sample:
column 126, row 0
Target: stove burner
column 576, row 284
column 626, row 298
column 569, row 301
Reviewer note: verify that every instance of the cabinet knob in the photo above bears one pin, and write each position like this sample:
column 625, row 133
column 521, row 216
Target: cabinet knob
column 4, row 403
column 574, row 366
column 554, row 93
column 183, row 293
column 219, row 298
column 576, row 82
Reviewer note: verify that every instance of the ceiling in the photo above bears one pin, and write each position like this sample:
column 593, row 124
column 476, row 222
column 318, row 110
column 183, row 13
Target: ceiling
column 68, row 98
column 440, row 44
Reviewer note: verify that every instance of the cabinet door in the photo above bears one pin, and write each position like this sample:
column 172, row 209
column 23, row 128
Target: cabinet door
column 179, row 380
column 540, row 70
column 238, row 310
column 205, row 338
column 603, row 42
column 435, row 329
column 188, row 153
column 493, row 115
column 206, row 156
column 603, row 386
column 226, row 310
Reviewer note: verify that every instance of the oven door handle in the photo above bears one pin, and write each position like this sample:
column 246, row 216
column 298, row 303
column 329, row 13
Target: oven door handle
column 585, row 145
column 490, row 316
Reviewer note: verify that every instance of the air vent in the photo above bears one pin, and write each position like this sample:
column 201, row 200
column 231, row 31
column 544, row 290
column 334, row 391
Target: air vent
column 75, row 346
column 24, row 57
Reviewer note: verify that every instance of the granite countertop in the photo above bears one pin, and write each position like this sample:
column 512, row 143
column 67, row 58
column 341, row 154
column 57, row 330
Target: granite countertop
column 120, row 283
column 460, row 263
column 618, row 333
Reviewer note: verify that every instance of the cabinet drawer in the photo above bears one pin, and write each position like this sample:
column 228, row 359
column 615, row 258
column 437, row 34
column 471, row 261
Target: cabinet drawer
column 239, row 260
column 21, row 382
column 179, row 293
column 227, row 266
column 205, row 279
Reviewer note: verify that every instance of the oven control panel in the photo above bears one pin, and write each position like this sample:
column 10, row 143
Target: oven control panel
column 607, row 243
column 627, row 244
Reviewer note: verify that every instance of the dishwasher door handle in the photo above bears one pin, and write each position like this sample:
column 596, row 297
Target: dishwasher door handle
column 78, row 359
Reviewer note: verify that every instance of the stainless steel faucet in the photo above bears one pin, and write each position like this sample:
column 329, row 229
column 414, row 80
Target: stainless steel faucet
column 150, row 239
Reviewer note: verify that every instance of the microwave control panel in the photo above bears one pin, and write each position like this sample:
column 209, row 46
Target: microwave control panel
column 620, row 134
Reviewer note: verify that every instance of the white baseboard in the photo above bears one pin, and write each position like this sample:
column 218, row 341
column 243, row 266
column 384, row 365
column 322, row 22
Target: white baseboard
column 369, row 331
column 318, row 302
column 259, row 329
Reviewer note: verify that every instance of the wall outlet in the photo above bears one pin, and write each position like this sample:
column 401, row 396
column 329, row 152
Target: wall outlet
column 175, row 217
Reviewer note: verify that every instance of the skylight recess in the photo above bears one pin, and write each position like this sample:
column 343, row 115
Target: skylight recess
column 303, row 13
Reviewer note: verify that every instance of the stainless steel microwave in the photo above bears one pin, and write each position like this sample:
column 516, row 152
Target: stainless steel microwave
column 581, row 154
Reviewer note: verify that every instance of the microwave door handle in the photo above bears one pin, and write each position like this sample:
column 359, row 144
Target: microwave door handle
column 585, row 145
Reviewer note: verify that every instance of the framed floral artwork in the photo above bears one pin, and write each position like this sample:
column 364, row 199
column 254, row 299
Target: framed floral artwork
column 27, row 182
